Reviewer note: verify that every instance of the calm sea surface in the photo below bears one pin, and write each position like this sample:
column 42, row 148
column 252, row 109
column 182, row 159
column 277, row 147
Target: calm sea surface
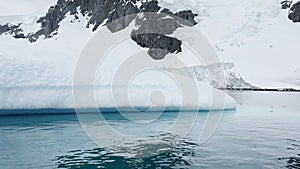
column 253, row 136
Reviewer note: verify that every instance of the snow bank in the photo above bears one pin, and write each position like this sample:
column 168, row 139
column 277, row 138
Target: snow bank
column 39, row 75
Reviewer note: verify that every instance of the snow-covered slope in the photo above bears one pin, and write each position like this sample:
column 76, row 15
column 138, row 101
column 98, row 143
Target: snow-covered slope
column 252, row 34
column 24, row 7
column 40, row 74
column 255, row 35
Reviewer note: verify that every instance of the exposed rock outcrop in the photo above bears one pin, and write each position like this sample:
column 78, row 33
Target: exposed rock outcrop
column 295, row 12
column 159, row 45
column 154, row 31
column 102, row 12
column 13, row 30
column 286, row 4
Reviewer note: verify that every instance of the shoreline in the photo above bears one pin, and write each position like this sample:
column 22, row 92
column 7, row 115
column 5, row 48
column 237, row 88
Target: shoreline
column 261, row 89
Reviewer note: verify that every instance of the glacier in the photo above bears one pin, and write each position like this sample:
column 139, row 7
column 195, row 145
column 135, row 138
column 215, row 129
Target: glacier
column 256, row 36
column 41, row 78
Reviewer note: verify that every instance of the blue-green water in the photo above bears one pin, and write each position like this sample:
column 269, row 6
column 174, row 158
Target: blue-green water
column 250, row 137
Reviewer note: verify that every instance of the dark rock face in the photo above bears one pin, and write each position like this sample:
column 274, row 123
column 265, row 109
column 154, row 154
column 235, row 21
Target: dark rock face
column 295, row 12
column 103, row 12
column 97, row 10
column 286, row 4
column 153, row 30
column 4, row 29
column 188, row 17
column 159, row 45
column 13, row 30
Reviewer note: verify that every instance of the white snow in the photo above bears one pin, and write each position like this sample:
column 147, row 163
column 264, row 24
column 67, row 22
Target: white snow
column 255, row 35
column 39, row 75
column 24, row 7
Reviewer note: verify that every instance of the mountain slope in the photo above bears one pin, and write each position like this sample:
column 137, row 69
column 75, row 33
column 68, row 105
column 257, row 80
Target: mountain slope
column 39, row 74
column 256, row 36
column 256, row 33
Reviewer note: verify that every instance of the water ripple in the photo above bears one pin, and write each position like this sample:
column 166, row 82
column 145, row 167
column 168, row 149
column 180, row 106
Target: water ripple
column 292, row 162
column 179, row 156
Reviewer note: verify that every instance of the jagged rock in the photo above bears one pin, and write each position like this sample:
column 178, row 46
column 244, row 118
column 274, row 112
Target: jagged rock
column 188, row 17
column 157, row 41
column 157, row 24
column 153, row 28
column 129, row 10
column 13, row 30
column 295, row 12
column 286, row 4
column 20, row 36
column 4, row 29
column 33, row 37
column 97, row 10
column 151, row 34
column 50, row 22
column 151, row 6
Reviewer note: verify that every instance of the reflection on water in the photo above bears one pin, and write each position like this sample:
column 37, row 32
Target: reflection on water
column 292, row 162
column 177, row 157
column 252, row 137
